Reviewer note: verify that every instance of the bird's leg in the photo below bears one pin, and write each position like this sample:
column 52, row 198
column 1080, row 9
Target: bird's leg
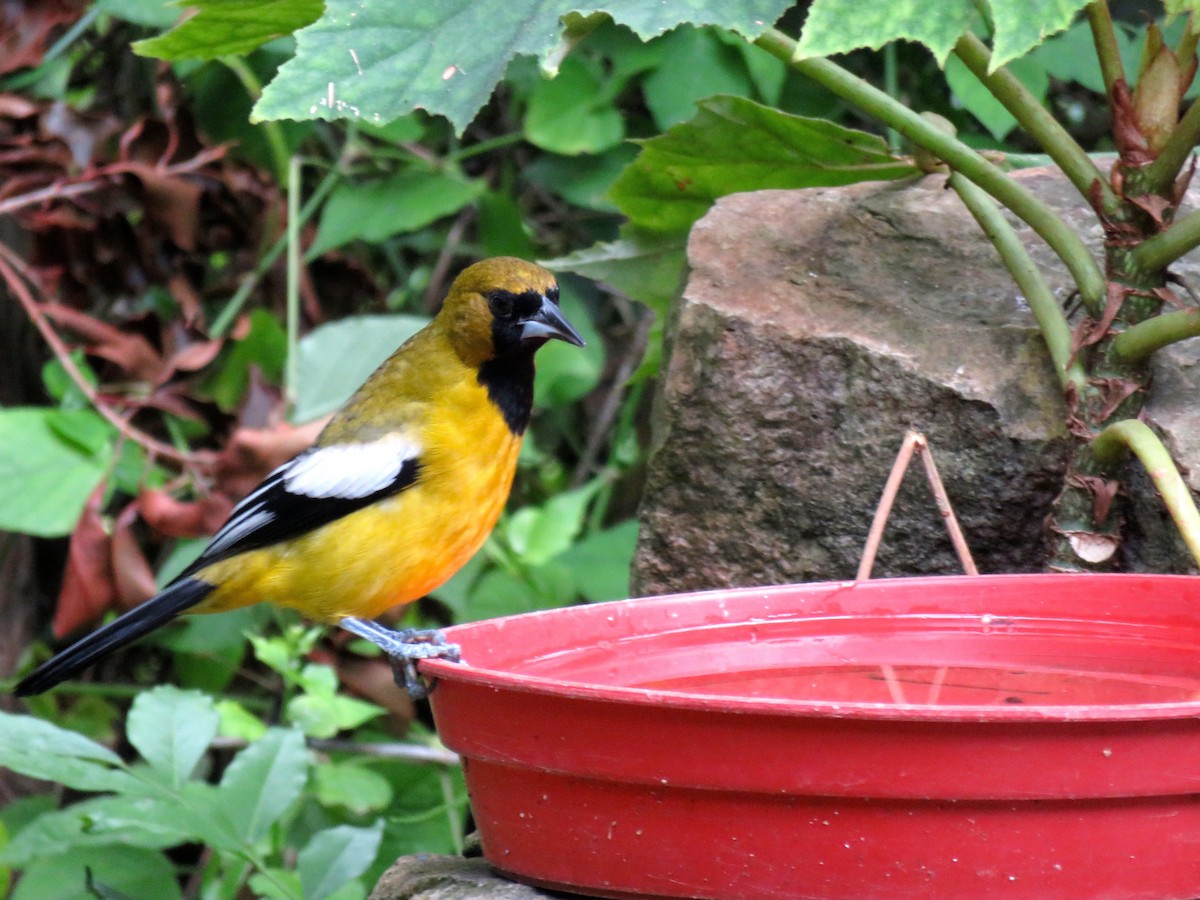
column 404, row 648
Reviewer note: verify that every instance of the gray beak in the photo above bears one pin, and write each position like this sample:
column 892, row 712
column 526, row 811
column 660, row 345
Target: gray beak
column 549, row 322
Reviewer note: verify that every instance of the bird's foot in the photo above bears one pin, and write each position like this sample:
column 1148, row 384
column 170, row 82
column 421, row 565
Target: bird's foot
column 404, row 648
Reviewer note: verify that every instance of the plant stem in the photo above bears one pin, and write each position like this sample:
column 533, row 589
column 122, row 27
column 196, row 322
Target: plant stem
column 291, row 362
column 251, row 279
column 891, row 84
column 1104, row 35
column 1137, row 436
column 271, row 129
column 1175, row 153
column 1049, row 226
column 1037, row 122
column 1050, row 319
column 1160, row 250
column 1138, row 341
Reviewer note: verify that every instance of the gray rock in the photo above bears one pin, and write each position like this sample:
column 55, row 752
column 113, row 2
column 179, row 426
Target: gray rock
column 816, row 327
column 449, row 878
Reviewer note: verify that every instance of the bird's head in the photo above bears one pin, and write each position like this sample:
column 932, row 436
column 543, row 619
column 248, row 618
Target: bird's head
column 502, row 307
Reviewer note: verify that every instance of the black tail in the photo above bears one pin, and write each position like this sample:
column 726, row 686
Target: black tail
column 120, row 631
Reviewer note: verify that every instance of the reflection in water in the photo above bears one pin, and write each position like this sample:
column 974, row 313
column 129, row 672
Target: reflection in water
column 932, row 685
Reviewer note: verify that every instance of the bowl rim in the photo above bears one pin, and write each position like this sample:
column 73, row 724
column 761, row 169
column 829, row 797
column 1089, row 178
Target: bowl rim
column 500, row 679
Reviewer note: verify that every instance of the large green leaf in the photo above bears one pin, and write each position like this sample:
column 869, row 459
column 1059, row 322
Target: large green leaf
column 50, row 461
column 335, row 856
column 839, row 26
column 1020, row 25
column 172, row 730
column 374, row 210
column 263, row 781
column 134, row 871
column 41, row 749
column 230, row 27
column 379, row 59
column 733, row 145
column 334, row 359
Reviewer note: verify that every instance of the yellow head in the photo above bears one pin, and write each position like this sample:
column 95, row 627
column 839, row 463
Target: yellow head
column 501, row 307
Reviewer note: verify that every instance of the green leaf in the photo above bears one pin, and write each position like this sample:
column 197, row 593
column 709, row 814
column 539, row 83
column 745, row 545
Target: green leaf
column 377, row 59
column 537, row 534
column 839, row 26
column 263, row 781
column 134, row 871
column 275, row 884
column 502, row 593
column 375, row 210
column 644, row 265
column 336, row 358
column 571, row 114
column 602, row 561
column 735, row 145
column 582, row 180
column 230, row 28
column 49, row 466
column 239, row 722
column 172, row 730
column 113, row 820
column 264, row 346
column 502, row 231
column 335, row 856
column 353, row 786
column 1020, row 25
column 696, row 64
column 42, row 750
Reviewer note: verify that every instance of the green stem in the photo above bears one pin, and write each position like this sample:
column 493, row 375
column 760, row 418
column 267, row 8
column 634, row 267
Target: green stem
column 271, row 129
column 1175, row 153
column 1053, row 324
column 1049, row 226
column 496, row 143
column 1108, row 51
column 1160, row 250
column 1137, row 436
column 251, row 280
column 291, row 364
column 1037, row 122
column 891, row 84
column 1138, row 341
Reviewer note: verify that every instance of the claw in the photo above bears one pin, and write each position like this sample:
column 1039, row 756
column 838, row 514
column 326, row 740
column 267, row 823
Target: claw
column 405, row 648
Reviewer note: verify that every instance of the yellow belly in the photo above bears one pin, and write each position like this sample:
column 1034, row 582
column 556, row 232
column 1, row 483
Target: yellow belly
column 392, row 552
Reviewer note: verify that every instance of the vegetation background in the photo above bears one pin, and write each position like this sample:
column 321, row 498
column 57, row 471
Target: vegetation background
column 191, row 288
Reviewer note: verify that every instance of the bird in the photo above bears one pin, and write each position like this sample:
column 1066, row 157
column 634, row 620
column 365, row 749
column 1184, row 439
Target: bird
column 399, row 489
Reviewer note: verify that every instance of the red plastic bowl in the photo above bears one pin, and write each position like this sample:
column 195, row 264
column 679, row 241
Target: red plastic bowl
column 1015, row 736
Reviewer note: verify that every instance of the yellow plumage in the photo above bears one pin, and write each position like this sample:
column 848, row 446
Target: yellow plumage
column 435, row 431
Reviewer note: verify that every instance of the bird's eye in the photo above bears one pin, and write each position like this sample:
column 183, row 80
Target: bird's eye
column 501, row 306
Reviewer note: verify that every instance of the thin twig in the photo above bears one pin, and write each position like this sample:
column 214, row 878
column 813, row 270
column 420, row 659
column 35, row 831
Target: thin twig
column 914, row 442
column 890, row 489
column 414, row 753
column 945, row 509
column 63, row 355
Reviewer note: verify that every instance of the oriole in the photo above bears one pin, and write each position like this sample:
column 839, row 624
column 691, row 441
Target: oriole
column 399, row 490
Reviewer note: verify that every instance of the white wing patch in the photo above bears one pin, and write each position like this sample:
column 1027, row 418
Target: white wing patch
column 342, row 472
column 349, row 471
column 242, row 523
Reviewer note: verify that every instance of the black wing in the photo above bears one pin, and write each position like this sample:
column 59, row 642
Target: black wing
column 313, row 489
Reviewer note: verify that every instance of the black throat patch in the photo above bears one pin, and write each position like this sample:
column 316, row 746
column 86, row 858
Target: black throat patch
column 509, row 383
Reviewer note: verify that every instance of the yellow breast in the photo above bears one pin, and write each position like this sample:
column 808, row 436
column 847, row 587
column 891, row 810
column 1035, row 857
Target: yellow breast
column 399, row 549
